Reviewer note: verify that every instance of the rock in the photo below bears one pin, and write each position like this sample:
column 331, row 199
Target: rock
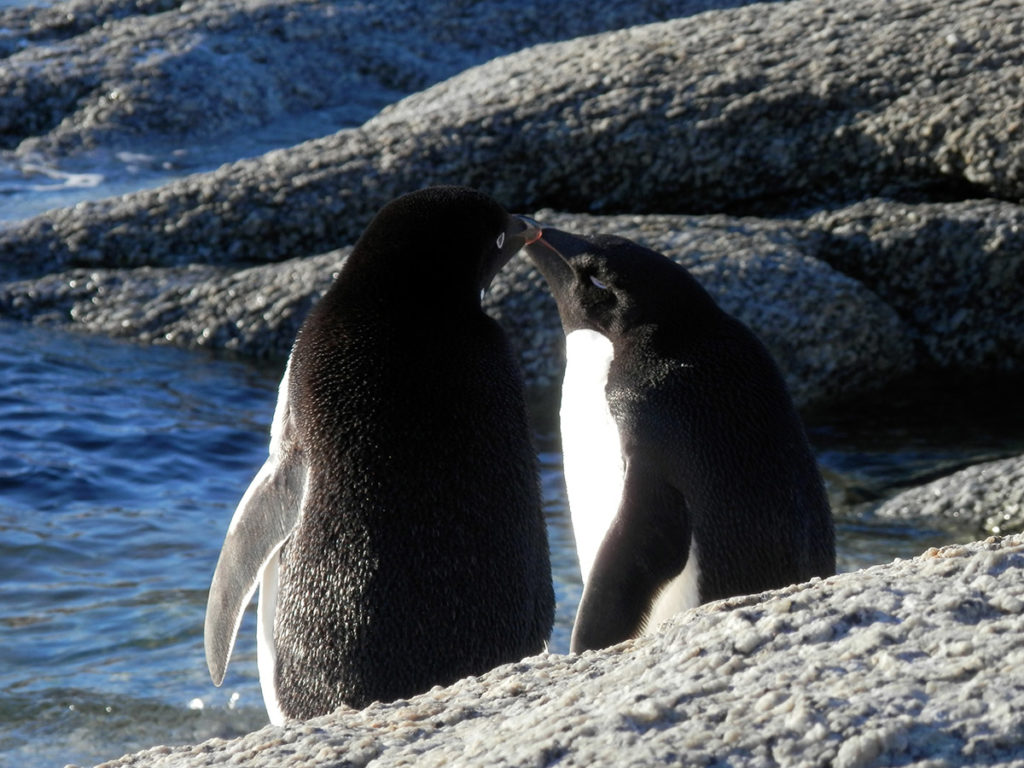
column 953, row 272
column 917, row 662
column 91, row 73
column 983, row 497
column 833, row 296
column 255, row 311
column 754, row 110
column 830, row 335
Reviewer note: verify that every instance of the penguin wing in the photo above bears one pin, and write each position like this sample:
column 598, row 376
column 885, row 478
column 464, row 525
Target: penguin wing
column 645, row 547
column 263, row 521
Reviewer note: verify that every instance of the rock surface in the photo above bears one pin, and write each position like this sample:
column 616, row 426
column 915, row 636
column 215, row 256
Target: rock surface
column 880, row 118
column 91, row 73
column 754, row 109
column 984, row 497
column 914, row 663
column 953, row 272
column 829, row 333
column 846, row 300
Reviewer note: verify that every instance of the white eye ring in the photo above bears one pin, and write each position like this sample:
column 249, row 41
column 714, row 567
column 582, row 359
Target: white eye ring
column 501, row 240
column 598, row 283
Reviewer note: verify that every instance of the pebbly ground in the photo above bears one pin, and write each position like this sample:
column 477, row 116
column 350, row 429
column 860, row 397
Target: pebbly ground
column 915, row 663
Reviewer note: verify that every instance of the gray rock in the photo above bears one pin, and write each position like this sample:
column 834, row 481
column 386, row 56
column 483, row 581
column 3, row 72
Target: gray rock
column 760, row 108
column 984, row 497
column 755, row 109
column 91, row 73
column 953, row 272
column 914, row 663
column 830, row 335
column 255, row 311
column 899, row 275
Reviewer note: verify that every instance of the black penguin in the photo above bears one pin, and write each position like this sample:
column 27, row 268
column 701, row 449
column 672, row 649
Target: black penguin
column 396, row 530
column 688, row 471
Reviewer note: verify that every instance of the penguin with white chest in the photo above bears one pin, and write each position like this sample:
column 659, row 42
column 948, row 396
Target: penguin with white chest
column 688, row 471
column 395, row 532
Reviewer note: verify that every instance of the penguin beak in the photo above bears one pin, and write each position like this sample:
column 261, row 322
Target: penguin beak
column 553, row 255
column 546, row 253
column 521, row 231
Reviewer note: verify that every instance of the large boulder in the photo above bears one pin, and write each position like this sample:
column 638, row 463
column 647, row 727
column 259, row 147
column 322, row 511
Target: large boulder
column 983, row 497
column 830, row 335
column 106, row 73
column 822, row 115
column 763, row 108
column 914, row 663
column 752, row 110
column 832, row 296
column 953, row 272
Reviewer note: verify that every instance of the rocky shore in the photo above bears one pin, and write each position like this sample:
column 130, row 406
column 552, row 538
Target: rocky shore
column 846, row 177
column 986, row 497
column 879, row 142
column 914, row 663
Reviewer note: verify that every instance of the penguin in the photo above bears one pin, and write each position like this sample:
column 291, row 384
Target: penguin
column 395, row 532
column 688, row 471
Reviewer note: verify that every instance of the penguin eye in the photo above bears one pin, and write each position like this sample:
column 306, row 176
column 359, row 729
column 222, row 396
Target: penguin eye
column 501, row 240
column 598, row 283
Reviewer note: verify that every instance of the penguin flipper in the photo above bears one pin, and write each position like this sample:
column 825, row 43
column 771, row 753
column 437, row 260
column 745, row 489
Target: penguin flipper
column 263, row 521
column 645, row 548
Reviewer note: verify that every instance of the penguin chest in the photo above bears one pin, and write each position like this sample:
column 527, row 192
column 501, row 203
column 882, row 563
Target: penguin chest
column 591, row 447
column 679, row 594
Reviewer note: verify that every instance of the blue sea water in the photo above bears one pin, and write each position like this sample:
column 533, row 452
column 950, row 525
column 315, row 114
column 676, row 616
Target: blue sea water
column 120, row 466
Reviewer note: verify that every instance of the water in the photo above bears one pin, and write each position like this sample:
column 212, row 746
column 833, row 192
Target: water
column 120, row 468
column 33, row 184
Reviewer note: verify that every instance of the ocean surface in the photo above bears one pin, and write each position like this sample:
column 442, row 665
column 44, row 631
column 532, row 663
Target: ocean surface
column 120, row 466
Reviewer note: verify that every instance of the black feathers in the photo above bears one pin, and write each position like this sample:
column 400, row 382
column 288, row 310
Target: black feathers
column 713, row 451
column 420, row 555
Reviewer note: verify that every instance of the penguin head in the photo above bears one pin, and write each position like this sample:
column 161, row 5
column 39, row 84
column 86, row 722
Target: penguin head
column 612, row 285
column 445, row 242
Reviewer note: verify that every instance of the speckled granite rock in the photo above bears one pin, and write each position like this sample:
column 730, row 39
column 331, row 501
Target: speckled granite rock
column 984, row 497
column 831, row 336
column 755, row 109
column 255, row 311
column 835, row 330
column 914, row 663
column 953, row 272
column 90, row 73
column 751, row 109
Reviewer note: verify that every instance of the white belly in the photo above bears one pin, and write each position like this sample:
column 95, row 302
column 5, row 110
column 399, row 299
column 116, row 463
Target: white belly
column 591, row 449
column 678, row 595
column 266, row 653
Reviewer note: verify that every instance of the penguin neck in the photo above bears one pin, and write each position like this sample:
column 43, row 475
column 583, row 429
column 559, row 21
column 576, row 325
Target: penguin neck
column 591, row 446
column 412, row 275
column 377, row 298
